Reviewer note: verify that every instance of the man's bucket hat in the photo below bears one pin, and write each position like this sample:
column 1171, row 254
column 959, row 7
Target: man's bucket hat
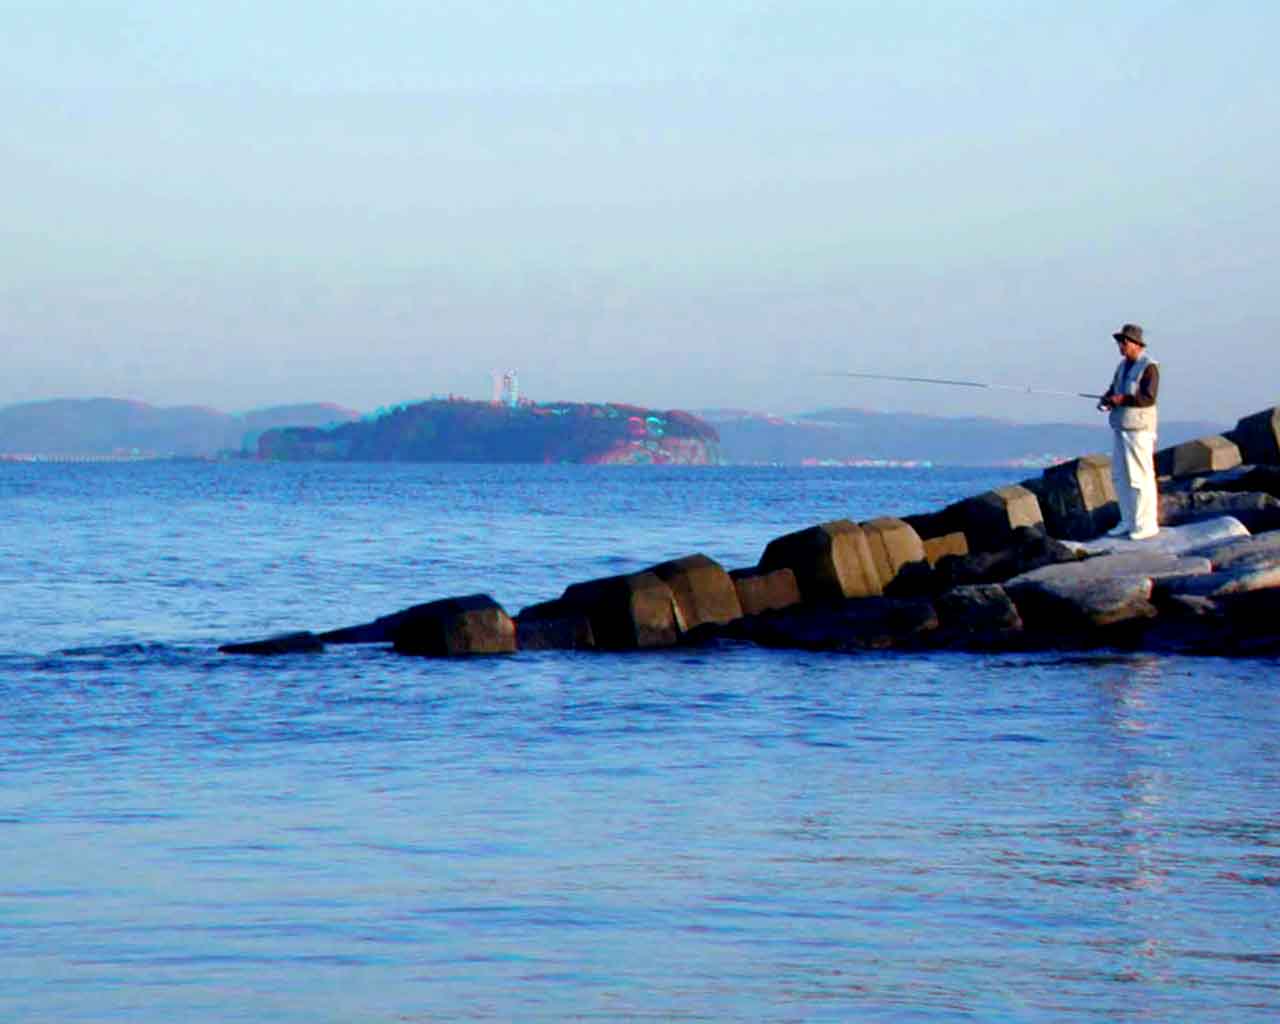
column 1130, row 332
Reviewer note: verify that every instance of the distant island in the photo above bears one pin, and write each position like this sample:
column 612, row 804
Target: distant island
column 458, row 430
column 592, row 432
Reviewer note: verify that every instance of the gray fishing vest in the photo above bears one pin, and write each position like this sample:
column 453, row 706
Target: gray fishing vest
column 1125, row 382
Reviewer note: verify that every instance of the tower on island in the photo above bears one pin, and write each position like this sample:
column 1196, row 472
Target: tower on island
column 506, row 388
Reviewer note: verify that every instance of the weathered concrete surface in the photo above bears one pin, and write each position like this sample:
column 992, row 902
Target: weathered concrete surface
column 1241, row 552
column 1060, row 607
column 990, row 519
column 938, row 548
column 1097, row 592
column 1152, row 565
column 915, row 579
column 894, row 545
column 762, row 590
column 831, row 561
column 376, row 632
column 1171, row 540
column 1077, row 498
column 981, row 615
column 1242, row 479
column 1239, row 565
column 1203, row 455
column 1183, row 605
column 1258, row 512
column 931, row 525
column 873, row 623
column 381, row 630
column 475, row 624
column 703, row 592
column 1258, row 437
column 1255, row 479
column 1029, row 548
column 626, row 612
column 1239, row 580
column 283, row 643
column 554, row 626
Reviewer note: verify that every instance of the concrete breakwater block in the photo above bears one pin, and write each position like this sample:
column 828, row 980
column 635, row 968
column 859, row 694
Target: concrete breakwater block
column 831, row 561
column 1239, row 580
column 1241, row 479
column 1241, row 552
column 626, row 612
column 894, row 546
column 872, row 623
column 1171, row 540
column 384, row 629
column 1255, row 479
column 1077, row 498
column 284, row 643
column 1258, row 512
column 938, row 548
column 379, row 631
column 554, row 626
column 1258, row 437
column 989, row 520
column 1222, row 480
column 1203, row 455
column 1029, row 548
column 703, row 592
column 475, row 624
column 929, row 525
column 765, row 590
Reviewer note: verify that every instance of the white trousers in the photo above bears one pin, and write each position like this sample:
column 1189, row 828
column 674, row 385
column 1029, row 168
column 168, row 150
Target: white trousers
column 1133, row 471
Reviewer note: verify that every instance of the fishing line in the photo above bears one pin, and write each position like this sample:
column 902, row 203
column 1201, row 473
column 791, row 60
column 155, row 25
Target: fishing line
column 964, row 384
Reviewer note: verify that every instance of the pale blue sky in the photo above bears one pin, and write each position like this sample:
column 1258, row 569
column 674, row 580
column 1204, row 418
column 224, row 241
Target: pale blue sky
column 670, row 203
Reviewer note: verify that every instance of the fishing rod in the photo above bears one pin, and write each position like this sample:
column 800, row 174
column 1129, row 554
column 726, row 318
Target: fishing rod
column 965, row 384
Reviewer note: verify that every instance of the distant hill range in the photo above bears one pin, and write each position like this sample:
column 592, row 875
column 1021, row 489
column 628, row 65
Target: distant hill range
column 113, row 426
column 854, row 436
column 457, row 430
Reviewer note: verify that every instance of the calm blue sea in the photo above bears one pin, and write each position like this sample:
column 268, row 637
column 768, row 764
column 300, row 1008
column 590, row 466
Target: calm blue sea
column 727, row 834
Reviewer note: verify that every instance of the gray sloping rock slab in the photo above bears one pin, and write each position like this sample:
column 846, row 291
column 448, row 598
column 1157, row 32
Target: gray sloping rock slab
column 1063, row 606
column 1144, row 564
column 1241, row 580
column 1242, row 552
column 1172, row 540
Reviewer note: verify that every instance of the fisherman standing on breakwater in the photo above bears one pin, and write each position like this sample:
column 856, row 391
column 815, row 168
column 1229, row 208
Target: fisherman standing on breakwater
column 1130, row 402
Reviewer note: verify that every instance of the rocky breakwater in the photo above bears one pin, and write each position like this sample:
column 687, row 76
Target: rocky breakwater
column 1027, row 566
